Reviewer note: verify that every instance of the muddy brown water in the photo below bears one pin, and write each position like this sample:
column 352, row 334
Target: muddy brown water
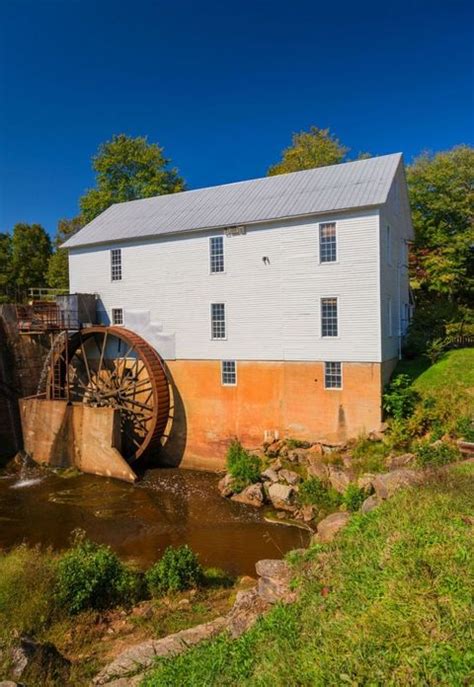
column 168, row 507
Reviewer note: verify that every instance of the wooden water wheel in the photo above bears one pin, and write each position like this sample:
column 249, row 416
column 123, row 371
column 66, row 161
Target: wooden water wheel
column 112, row 366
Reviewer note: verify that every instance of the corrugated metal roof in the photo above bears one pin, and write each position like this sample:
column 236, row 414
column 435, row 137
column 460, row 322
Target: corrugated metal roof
column 337, row 187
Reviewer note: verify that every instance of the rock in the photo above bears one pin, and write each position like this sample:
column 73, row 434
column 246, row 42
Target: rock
column 276, row 464
column 395, row 462
column 39, row 663
column 289, row 476
column 387, row 484
column 298, row 455
column 141, row 656
column 273, row 567
column 378, row 434
column 251, row 496
column 269, row 475
column 307, row 513
column 271, row 590
column 143, row 610
column 365, row 481
column 369, row 504
column 316, row 468
column 184, row 603
column 134, row 681
column 246, row 582
column 338, row 479
column 315, row 450
column 225, row 486
column 330, row 526
column 329, row 447
column 282, row 496
column 9, row 683
column 275, row 448
column 248, row 607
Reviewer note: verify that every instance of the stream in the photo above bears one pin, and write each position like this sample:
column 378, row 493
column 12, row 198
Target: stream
column 167, row 507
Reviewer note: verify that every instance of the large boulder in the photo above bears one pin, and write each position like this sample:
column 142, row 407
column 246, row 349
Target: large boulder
column 269, row 475
column 387, row 484
column 274, row 581
column 330, row 526
column 289, row 476
column 396, row 462
column 365, row 482
column 273, row 567
column 251, row 496
column 282, row 496
column 248, row 607
column 316, row 468
column 338, row 479
column 370, row 503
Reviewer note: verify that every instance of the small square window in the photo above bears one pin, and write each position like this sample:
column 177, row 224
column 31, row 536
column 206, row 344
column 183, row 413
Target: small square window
column 333, row 375
column 216, row 254
column 229, row 373
column 329, row 324
column 218, row 329
column 117, row 316
column 327, row 242
column 116, row 264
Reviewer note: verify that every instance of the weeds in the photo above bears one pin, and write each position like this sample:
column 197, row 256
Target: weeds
column 243, row 467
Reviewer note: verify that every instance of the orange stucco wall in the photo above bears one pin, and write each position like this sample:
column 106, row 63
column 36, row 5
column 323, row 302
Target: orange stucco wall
column 285, row 398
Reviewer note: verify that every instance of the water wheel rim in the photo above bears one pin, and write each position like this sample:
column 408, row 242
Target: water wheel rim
column 156, row 374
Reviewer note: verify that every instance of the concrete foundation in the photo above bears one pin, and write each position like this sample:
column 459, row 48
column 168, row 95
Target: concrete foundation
column 74, row 435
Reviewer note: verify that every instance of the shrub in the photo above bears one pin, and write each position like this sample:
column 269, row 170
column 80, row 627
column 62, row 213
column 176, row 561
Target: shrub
column 354, row 497
column 464, row 428
column 92, row 576
column 315, row 493
column 369, row 455
column 177, row 570
column 437, row 454
column 400, row 399
column 243, row 467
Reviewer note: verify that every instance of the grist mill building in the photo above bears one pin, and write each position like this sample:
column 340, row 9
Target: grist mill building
column 277, row 304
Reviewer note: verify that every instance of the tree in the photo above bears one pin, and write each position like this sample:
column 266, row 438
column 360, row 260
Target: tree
column 127, row 169
column 58, row 266
column 31, row 250
column 313, row 148
column 441, row 191
column 5, row 266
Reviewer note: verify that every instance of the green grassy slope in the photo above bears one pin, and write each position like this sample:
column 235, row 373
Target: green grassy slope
column 454, row 368
column 388, row 603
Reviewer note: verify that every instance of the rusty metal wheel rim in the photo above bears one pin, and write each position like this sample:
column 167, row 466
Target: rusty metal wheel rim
column 81, row 377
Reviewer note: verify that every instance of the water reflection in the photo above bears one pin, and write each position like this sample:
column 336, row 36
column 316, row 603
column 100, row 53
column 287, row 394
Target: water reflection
column 168, row 507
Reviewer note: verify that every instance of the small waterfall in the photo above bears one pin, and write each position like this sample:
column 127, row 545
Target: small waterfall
column 28, row 475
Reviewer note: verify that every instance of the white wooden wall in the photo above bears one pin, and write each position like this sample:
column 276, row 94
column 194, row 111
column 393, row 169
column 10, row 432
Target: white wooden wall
column 273, row 310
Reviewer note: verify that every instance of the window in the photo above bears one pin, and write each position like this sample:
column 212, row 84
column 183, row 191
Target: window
column 329, row 317
column 229, row 373
column 389, row 245
column 218, row 321
column 117, row 316
column 389, row 316
column 216, row 254
column 327, row 242
column 116, row 264
column 333, row 375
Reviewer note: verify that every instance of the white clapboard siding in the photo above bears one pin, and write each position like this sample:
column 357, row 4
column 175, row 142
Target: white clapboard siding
column 273, row 310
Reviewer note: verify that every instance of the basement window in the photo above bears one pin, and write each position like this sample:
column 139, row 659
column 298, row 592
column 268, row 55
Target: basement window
column 218, row 329
column 333, row 375
column 329, row 324
column 116, row 264
column 117, row 316
column 216, row 254
column 327, row 242
column 229, row 373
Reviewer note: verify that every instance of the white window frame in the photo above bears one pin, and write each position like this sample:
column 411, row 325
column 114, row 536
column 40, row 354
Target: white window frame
column 218, row 338
column 222, row 237
column 113, row 312
column 329, row 336
column 328, row 262
column 116, row 265
column 334, row 388
column 223, row 372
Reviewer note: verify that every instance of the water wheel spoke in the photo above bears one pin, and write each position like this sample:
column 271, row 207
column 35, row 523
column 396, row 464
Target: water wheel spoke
column 139, row 404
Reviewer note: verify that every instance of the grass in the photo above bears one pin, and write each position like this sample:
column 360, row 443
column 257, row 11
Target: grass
column 388, row 603
column 455, row 367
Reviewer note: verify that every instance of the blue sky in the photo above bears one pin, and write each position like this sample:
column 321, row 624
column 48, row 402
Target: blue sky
column 221, row 85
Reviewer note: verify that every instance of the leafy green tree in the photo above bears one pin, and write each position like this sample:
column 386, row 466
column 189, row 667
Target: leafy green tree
column 313, row 148
column 127, row 169
column 5, row 266
column 441, row 191
column 31, row 250
column 58, row 266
